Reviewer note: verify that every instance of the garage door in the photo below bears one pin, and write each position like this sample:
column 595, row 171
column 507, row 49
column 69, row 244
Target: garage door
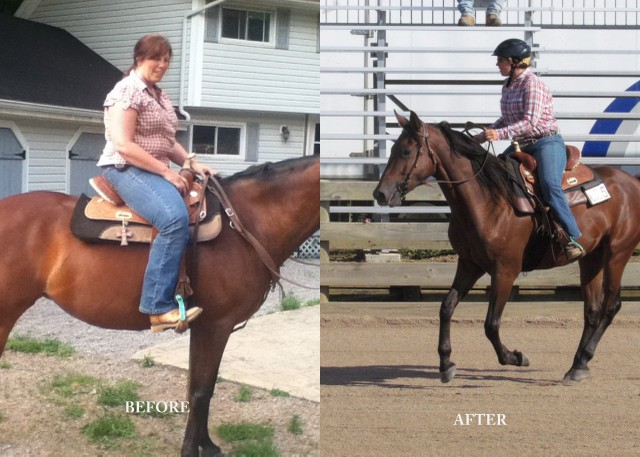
column 83, row 157
column 12, row 158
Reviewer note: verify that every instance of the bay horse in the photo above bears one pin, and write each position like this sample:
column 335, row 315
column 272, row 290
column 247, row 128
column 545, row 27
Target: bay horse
column 490, row 237
column 101, row 283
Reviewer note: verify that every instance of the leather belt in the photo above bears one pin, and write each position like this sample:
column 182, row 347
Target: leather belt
column 529, row 141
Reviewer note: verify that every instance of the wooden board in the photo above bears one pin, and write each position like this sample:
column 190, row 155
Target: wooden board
column 381, row 235
column 440, row 276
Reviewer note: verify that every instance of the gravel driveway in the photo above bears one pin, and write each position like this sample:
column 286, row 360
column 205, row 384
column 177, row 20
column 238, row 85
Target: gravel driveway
column 46, row 319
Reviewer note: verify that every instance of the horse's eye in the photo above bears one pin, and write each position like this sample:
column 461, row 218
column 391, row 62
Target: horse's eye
column 406, row 152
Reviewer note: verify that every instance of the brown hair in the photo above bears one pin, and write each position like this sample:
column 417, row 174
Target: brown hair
column 150, row 46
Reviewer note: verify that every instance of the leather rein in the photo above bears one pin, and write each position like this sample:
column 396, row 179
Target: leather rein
column 236, row 224
column 423, row 135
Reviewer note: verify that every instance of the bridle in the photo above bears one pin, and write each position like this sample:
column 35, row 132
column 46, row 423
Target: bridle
column 423, row 135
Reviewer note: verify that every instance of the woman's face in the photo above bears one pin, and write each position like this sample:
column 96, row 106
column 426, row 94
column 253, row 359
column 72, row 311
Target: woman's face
column 153, row 70
column 504, row 66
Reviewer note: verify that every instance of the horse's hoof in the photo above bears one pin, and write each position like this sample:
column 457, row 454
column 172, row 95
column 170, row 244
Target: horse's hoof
column 448, row 374
column 576, row 374
column 523, row 361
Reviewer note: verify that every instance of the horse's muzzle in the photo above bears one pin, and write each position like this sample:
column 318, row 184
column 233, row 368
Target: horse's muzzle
column 379, row 196
column 386, row 200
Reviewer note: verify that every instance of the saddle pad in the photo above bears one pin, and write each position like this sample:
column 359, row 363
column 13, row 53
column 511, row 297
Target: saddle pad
column 101, row 231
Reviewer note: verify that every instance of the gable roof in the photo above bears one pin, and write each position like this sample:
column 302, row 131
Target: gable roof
column 47, row 65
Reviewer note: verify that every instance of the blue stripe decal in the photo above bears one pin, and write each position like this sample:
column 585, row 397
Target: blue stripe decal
column 610, row 126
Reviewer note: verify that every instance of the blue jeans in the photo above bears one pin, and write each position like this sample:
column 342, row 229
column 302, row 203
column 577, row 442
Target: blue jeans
column 551, row 155
column 160, row 203
column 466, row 7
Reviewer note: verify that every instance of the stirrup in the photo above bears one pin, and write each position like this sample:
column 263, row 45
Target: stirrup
column 573, row 250
column 572, row 240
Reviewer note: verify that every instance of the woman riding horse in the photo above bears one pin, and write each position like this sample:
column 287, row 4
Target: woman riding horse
column 140, row 128
column 489, row 236
column 527, row 117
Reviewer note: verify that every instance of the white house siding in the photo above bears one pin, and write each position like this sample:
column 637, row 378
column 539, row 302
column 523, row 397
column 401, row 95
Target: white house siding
column 239, row 75
column 271, row 147
column 112, row 28
column 242, row 83
column 47, row 157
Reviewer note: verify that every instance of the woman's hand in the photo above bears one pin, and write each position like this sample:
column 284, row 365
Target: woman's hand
column 178, row 181
column 491, row 135
column 487, row 135
column 202, row 170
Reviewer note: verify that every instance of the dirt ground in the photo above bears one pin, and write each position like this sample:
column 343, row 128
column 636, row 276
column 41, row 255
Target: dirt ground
column 381, row 393
column 34, row 423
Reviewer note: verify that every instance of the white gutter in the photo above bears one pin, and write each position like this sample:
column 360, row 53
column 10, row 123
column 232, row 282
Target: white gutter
column 313, row 3
column 39, row 111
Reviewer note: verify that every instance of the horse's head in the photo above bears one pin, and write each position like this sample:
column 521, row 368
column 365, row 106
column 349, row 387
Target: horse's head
column 411, row 162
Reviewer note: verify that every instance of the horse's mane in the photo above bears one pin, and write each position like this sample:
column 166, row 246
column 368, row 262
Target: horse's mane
column 272, row 170
column 494, row 177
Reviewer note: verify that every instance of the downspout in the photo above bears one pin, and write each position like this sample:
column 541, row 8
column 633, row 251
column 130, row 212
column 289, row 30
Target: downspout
column 183, row 70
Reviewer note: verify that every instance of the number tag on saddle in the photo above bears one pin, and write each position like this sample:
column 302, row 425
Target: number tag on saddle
column 597, row 194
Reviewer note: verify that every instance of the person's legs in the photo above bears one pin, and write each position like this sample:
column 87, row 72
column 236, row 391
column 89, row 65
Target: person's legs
column 550, row 153
column 160, row 203
column 495, row 7
column 468, row 17
column 466, row 7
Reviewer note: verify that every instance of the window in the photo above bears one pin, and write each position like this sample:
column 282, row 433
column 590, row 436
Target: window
column 267, row 27
column 215, row 140
column 246, row 25
column 316, row 141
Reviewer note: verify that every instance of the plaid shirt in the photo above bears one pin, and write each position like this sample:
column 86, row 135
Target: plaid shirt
column 527, row 109
column 156, row 123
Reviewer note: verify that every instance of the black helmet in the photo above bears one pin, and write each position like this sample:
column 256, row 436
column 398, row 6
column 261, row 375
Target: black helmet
column 514, row 49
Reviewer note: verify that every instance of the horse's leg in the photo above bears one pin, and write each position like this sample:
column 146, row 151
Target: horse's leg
column 11, row 312
column 467, row 274
column 591, row 280
column 611, row 304
column 205, row 353
column 501, row 285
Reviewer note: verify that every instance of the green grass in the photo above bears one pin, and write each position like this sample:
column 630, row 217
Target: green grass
column 73, row 384
column 255, row 449
column 120, row 393
column 48, row 346
column 147, row 362
column 5, row 364
column 2, row 417
column 295, row 425
column 74, row 411
column 290, row 303
column 106, row 430
column 251, row 440
column 423, row 254
column 245, row 432
column 279, row 393
column 244, row 394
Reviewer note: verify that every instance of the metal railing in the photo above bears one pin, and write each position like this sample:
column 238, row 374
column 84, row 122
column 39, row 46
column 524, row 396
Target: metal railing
column 383, row 82
column 611, row 14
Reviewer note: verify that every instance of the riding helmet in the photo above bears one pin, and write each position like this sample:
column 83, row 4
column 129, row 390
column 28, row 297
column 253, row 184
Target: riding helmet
column 514, row 49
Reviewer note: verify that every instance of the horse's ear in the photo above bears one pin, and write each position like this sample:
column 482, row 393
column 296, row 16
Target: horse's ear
column 416, row 123
column 403, row 121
